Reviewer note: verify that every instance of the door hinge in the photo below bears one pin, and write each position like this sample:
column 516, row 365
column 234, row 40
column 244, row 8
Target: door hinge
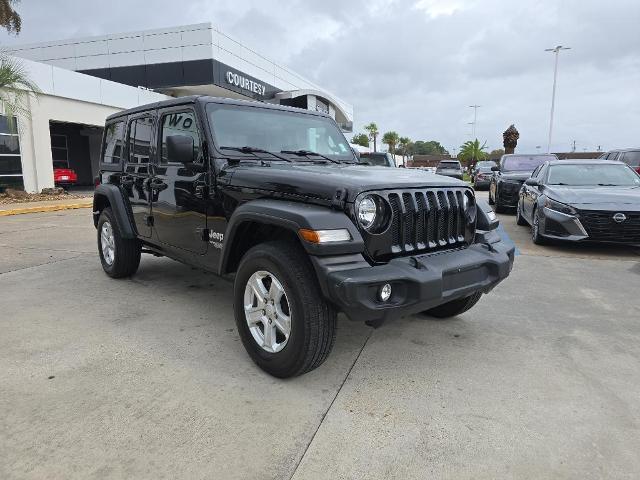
column 205, row 235
column 148, row 220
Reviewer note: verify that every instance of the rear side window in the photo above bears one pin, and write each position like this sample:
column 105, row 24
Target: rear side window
column 140, row 140
column 113, row 142
column 612, row 156
column 631, row 158
column 180, row 123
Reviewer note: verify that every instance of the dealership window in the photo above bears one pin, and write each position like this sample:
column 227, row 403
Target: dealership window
column 10, row 160
column 180, row 123
column 113, row 142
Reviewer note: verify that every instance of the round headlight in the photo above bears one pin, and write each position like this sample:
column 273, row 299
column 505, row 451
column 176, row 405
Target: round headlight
column 367, row 211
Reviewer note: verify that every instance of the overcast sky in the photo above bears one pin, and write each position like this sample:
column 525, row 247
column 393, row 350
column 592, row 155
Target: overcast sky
column 415, row 66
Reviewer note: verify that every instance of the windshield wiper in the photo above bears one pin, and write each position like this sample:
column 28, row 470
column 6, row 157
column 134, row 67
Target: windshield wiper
column 307, row 153
column 607, row 185
column 254, row 151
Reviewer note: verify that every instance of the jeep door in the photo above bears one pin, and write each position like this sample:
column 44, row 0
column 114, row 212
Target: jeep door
column 179, row 201
column 137, row 170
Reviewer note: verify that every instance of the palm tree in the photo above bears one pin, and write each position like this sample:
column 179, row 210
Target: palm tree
column 9, row 18
column 391, row 139
column 405, row 144
column 472, row 151
column 372, row 128
column 15, row 87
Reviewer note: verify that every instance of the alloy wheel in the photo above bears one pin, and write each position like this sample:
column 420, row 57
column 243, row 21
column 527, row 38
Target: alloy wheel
column 267, row 311
column 107, row 243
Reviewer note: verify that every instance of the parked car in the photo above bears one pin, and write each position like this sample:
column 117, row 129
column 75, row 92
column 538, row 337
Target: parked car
column 63, row 176
column 630, row 156
column 582, row 200
column 482, row 174
column 450, row 168
column 275, row 196
column 377, row 159
column 509, row 175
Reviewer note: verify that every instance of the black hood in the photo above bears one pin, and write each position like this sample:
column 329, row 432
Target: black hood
column 597, row 198
column 519, row 176
column 322, row 180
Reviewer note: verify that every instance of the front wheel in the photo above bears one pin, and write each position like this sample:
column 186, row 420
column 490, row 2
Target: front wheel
column 535, row 229
column 491, row 202
column 285, row 324
column 454, row 307
column 519, row 218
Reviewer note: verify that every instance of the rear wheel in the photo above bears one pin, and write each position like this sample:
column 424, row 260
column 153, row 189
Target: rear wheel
column 120, row 257
column 285, row 324
column 499, row 208
column 454, row 307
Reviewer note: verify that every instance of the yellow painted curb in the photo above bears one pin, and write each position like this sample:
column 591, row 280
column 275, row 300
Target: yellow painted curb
column 44, row 208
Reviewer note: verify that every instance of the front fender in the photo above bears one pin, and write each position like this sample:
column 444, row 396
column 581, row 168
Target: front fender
column 293, row 216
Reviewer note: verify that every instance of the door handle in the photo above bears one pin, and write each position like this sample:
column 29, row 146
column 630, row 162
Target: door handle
column 157, row 184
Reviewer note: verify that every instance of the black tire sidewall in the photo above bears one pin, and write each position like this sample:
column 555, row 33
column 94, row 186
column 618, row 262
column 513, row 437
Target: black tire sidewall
column 106, row 216
column 286, row 359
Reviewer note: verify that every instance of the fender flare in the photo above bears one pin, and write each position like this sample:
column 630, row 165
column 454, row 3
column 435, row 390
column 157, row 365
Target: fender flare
column 292, row 216
column 119, row 208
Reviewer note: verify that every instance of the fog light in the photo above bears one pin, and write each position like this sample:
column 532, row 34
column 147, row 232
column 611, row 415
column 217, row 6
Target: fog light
column 385, row 292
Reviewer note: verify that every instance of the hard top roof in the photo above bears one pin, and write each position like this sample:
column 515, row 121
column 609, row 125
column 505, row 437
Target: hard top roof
column 192, row 99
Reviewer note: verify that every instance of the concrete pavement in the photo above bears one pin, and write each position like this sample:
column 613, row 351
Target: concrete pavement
column 146, row 377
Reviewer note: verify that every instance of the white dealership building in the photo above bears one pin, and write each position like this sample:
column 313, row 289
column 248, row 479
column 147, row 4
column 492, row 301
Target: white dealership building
column 84, row 80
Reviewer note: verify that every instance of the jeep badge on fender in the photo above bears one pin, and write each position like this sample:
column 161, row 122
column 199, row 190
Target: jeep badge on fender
column 395, row 242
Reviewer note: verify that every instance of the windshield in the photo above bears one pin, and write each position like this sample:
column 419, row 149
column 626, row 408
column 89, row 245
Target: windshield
column 525, row 163
column 454, row 165
column 631, row 158
column 378, row 160
column 485, row 165
column 593, row 174
column 276, row 130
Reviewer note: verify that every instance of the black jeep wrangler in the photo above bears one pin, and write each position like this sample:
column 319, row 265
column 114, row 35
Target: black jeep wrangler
column 275, row 196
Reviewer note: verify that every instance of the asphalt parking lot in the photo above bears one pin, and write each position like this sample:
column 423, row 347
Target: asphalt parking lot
column 146, row 377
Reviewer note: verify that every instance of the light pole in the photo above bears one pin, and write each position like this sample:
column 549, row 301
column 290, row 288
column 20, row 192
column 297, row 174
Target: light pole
column 555, row 50
column 475, row 118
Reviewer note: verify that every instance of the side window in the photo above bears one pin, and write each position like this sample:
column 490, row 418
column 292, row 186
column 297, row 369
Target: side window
column 541, row 172
column 113, row 143
column 180, row 123
column 612, row 156
column 140, row 140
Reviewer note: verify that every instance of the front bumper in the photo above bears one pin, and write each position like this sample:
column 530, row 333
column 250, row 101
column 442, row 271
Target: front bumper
column 418, row 283
column 509, row 193
column 561, row 226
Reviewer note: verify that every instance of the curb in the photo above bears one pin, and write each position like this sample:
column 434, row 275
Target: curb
column 44, row 208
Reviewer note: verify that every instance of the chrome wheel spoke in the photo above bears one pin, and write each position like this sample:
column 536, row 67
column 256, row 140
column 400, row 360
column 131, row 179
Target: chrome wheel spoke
column 107, row 243
column 264, row 300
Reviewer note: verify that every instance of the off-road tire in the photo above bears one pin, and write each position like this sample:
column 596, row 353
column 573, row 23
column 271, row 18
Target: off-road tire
column 498, row 207
column 519, row 218
column 313, row 320
column 454, row 307
column 127, row 250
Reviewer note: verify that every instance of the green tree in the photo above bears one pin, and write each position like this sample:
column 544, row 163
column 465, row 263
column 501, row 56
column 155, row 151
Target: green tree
column 391, row 139
column 498, row 152
column 15, row 87
column 405, row 147
column 430, row 147
column 471, row 152
column 10, row 19
column 372, row 128
column 360, row 139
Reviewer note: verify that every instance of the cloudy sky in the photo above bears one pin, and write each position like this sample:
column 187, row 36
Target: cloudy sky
column 416, row 66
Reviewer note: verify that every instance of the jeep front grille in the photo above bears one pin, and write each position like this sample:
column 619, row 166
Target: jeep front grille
column 424, row 220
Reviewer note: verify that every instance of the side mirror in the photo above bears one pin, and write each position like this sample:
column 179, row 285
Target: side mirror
column 180, row 149
column 532, row 182
column 495, row 169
